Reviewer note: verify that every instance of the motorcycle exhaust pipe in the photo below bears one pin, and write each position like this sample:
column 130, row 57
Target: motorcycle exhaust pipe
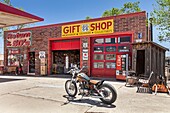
column 96, row 96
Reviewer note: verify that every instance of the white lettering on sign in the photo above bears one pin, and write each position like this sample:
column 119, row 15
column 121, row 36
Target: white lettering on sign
column 118, row 62
column 14, row 51
column 19, row 39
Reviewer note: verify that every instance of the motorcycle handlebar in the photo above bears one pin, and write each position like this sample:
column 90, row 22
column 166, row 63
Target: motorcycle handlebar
column 76, row 69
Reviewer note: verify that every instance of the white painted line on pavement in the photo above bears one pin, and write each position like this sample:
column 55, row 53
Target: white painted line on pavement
column 50, row 86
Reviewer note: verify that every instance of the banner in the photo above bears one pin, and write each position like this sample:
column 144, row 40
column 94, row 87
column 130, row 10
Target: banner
column 88, row 28
column 19, row 39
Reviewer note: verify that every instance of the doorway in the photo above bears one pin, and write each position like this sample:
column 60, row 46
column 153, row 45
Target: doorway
column 140, row 63
column 31, row 63
column 63, row 60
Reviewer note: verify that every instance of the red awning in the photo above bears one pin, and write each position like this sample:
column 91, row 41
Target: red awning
column 10, row 16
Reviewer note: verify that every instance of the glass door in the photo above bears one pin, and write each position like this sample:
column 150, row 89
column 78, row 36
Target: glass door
column 31, row 63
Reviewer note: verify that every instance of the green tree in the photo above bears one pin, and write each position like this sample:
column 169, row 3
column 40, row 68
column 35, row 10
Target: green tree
column 127, row 8
column 130, row 7
column 112, row 12
column 161, row 19
column 8, row 2
column 88, row 17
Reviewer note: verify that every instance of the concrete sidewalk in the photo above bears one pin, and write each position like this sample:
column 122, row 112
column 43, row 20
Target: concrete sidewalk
column 23, row 94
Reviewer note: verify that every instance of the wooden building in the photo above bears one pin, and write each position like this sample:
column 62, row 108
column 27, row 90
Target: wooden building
column 148, row 56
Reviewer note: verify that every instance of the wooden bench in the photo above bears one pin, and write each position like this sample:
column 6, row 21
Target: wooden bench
column 11, row 69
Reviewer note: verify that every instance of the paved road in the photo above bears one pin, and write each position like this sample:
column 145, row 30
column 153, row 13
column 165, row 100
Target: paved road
column 46, row 95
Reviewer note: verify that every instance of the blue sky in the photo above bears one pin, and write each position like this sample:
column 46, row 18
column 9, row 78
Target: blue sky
column 59, row 11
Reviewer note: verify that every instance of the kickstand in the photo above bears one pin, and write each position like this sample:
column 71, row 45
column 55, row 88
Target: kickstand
column 168, row 89
column 82, row 97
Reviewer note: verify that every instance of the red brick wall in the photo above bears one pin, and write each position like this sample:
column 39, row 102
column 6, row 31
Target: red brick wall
column 135, row 23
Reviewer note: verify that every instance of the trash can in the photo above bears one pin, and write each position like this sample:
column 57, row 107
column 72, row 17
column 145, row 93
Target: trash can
column 1, row 69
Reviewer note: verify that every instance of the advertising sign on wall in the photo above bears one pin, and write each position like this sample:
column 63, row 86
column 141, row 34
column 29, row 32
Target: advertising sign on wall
column 14, row 51
column 19, row 39
column 118, row 62
column 85, row 54
column 88, row 28
column 41, row 54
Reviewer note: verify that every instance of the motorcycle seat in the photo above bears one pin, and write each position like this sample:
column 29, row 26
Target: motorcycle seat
column 96, row 82
column 93, row 81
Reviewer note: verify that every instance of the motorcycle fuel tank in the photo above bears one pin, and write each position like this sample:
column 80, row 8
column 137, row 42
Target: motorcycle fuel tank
column 84, row 76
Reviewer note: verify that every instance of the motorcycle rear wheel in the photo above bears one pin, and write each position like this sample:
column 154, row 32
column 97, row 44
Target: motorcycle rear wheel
column 108, row 90
column 71, row 88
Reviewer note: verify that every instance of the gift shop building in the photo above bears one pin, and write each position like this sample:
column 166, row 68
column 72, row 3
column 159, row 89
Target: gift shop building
column 103, row 45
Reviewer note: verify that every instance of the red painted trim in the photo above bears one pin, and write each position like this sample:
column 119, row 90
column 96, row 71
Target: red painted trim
column 81, row 56
column 11, row 10
column 49, row 62
column 100, row 35
column 121, row 77
column 65, row 45
column 89, row 56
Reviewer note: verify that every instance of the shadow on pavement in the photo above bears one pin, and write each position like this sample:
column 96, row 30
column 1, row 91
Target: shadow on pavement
column 87, row 101
column 8, row 80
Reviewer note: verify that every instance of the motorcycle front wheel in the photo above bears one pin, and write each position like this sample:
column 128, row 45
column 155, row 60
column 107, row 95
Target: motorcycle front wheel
column 71, row 88
column 109, row 93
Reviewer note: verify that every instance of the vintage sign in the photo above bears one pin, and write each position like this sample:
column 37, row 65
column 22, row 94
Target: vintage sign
column 41, row 54
column 118, row 62
column 85, row 54
column 14, row 51
column 88, row 28
column 85, row 45
column 19, row 39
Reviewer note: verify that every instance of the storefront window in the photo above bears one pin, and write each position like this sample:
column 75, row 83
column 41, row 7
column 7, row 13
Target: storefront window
column 98, row 56
column 110, row 57
column 110, row 40
column 110, row 65
column 124, row 49
column 14, row 57
column 98, row 49
column 124, row 39
column 98, row 64
column 99, row 41
column 13, row 60
column 110, row 48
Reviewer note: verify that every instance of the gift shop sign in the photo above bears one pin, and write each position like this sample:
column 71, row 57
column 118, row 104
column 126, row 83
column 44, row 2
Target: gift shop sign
column 19, row 39
column 88, row 28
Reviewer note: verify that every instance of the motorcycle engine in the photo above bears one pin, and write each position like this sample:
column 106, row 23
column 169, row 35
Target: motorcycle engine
column 83, row 89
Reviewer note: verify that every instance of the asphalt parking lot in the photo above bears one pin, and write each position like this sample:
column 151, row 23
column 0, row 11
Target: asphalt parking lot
column 19, row 94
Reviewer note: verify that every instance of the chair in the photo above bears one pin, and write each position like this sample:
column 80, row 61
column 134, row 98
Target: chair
column 144, row 84
column 161, row 86
column 131, row 78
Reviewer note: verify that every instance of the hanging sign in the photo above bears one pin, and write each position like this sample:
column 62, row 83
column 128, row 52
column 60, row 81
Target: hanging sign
column 88, row 28
column 18, row 39
column 85, row 54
